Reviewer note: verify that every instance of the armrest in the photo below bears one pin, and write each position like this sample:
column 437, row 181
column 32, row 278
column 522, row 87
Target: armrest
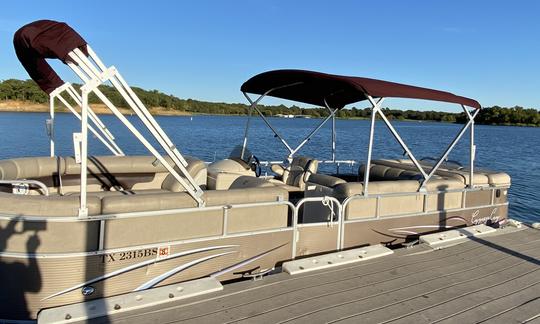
column 325, row 180
column 278, row 169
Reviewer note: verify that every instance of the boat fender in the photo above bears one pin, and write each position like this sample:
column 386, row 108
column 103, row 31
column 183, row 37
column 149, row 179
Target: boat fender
column 513, row 223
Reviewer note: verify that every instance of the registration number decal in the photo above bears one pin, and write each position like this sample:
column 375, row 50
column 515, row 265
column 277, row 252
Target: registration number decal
column 129, row 255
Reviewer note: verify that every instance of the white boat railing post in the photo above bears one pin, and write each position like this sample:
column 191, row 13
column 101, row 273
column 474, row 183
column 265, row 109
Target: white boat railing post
column 83, row 209
column 295, row 232
column 332, row 204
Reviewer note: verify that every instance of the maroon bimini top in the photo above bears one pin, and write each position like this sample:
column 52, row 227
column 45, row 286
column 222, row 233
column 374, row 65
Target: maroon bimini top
column 315, row 87
column 44, row 39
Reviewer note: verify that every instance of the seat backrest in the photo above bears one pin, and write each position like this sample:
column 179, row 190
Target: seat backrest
column 115, row 164
column 299, row 170
column 31, row 167
column 404, row 169
column 196, row 168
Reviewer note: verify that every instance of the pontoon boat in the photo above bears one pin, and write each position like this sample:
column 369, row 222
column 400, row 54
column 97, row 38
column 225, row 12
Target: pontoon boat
column 77, row 228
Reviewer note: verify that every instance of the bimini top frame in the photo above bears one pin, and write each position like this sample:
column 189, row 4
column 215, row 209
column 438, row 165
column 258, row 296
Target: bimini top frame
column 50, row 39
column 337, row 91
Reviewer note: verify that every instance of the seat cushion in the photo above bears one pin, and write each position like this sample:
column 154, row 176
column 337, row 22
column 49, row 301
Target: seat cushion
column 53, row 205
column 250, row 182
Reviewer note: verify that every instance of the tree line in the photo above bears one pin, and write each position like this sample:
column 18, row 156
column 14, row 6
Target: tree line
column 28, row 90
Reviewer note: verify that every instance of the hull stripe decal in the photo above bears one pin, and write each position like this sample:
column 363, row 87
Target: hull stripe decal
column 151, row 283
column 137, row 266
column 247, row 261
column 457, row 218
column 404, row 232
column 421, row 226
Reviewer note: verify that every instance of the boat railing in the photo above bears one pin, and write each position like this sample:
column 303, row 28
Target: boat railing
column 26, row 184
column 337, row 208
column 424, row 194
column 331, row 203
column 337, row 163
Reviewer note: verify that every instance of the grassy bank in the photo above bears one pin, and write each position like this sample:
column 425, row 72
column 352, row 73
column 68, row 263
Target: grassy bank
column 28, row 106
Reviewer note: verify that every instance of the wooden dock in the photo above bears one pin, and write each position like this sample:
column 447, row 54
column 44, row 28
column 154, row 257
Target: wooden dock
column 493, row 279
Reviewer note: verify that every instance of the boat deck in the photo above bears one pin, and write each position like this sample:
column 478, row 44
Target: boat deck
column 493, row 279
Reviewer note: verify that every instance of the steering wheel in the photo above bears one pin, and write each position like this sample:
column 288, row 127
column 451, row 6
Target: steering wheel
column 255, row 165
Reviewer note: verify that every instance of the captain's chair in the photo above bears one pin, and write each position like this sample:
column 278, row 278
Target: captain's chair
column 295, row 175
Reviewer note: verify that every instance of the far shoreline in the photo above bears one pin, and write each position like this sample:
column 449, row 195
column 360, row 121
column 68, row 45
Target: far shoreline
column 18, row 106
column 100, row 109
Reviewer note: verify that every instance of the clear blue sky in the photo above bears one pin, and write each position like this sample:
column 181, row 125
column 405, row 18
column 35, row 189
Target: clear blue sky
column 487, row 50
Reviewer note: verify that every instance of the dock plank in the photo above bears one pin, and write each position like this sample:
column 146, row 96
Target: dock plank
column 390, row 303
column 470, row 282
column 515, row 306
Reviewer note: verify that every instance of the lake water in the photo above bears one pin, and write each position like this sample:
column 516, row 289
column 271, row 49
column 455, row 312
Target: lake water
column 515, row 150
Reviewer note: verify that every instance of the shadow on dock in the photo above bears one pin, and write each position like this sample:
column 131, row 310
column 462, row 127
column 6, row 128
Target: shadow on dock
column 505, row 250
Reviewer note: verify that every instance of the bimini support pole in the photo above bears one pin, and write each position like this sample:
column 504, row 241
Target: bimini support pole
column 292, row 151
column 451, row 146
column 334, row 138
column 244, row 144
column 313, row 132
column 50, row 123
column 472, row 156
column 95, row 73
column 376, row 107
column 399, row 139
column 254, row 105
column 106, row 137
column 333, row 130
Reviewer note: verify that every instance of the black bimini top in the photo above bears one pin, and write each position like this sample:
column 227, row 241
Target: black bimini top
column 46, row 39
column 315, row 87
